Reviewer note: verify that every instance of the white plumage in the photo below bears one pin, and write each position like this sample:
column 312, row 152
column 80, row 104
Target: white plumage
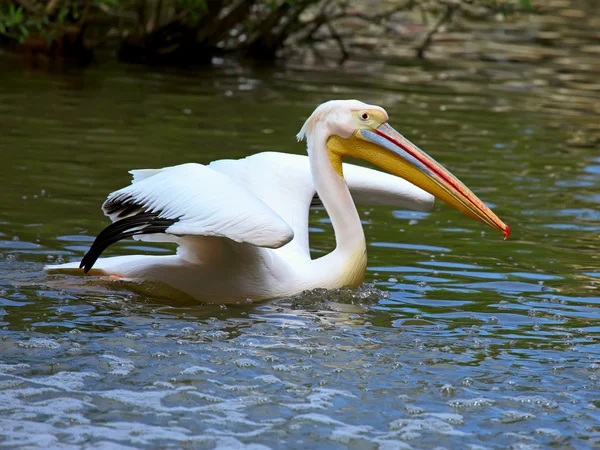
column 262, row 200
column 241, row 226
column 206, row 203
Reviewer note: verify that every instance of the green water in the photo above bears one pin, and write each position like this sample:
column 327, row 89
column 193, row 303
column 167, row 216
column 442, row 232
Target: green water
column 459, row 339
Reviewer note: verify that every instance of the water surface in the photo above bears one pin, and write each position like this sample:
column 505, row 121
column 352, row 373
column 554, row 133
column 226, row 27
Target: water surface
column 458, row 340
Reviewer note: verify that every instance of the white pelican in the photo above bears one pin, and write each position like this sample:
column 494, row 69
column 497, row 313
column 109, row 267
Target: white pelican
column 241, row 226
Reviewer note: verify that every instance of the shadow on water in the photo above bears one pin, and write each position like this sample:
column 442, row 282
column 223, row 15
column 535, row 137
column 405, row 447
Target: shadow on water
column 458, row 338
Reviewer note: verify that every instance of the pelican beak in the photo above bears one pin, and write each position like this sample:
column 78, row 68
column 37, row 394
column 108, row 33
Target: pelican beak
column 397, row 155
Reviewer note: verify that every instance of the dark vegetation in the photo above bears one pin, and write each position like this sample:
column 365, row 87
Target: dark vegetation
column 183, row 32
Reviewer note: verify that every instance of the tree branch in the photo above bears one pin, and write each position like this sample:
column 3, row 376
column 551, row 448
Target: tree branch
column 340, row 42
column 375, row 18
column 447, row 16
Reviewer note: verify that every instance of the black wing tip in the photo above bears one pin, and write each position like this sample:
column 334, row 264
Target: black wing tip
column 123, row 205
column 85, row 264
column 142, row 223
column 90, row 258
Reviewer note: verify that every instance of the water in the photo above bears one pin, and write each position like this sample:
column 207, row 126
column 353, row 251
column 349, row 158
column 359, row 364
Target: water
column 459, row 339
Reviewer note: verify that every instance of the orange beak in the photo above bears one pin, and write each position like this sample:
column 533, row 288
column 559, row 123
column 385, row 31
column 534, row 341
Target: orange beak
column 399, row 156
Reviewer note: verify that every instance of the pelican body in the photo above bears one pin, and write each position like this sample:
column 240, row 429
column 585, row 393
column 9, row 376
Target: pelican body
column 241, row 226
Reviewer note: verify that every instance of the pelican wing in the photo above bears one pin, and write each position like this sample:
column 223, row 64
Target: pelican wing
column 284, row 182
column 188, row 200
column 267, row 173
column 261, row 200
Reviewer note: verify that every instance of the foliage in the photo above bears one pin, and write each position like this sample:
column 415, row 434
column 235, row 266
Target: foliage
column 169, row 31
column 21, row 18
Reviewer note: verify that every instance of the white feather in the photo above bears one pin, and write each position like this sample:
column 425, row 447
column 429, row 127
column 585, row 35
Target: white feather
column 207, row 203
column 242, row 225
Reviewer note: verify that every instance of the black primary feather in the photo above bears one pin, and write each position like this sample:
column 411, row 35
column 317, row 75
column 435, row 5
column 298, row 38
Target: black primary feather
column 122, row 206
column 142, row 223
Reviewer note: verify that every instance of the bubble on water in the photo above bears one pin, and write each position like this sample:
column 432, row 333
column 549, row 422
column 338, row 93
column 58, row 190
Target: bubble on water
column 535, row 400
column 250, row 342
column 67, row 380
column 218, row 335
column 422, row 284
column 471, row 403
column 536, row 327
column 10, row 384
column 451, row 418
column 502, row 304
column 413, row 410
column 163, row 384
column 133, row 335
column 74, row 350
column 187, row 330
column 492, row 320
column 7, row 368
column 447, row 389
column 269, row 379
column 515, row 416
column 245, row 363
column 410, row 429
column 195, row 370
column 392, row 279
column 44, row 343
column 118, row 366
column 478, row 343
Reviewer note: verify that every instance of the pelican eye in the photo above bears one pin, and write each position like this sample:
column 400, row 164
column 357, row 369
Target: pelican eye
column 364, row 116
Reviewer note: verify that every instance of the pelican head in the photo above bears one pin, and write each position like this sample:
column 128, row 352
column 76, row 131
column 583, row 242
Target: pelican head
column 353, row 128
